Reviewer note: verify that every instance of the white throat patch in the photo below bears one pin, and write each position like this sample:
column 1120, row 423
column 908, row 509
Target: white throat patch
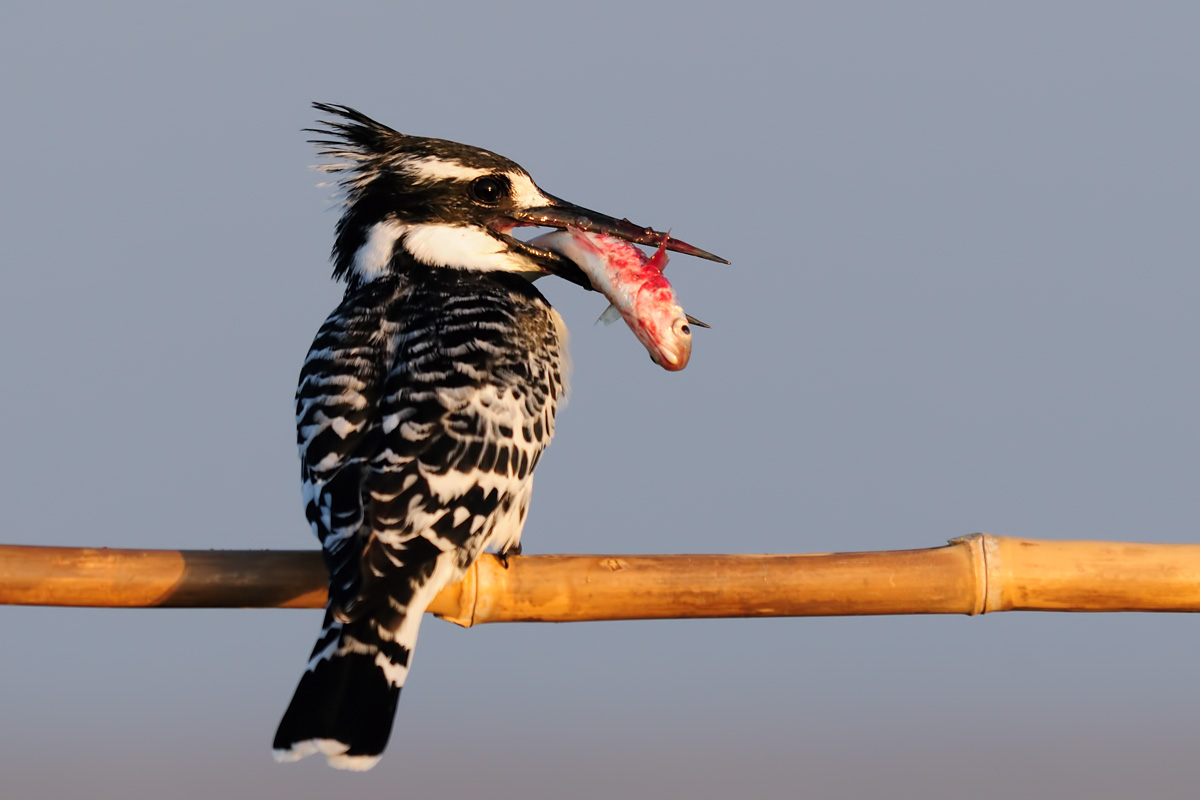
column 372, row 258
column 463, row 246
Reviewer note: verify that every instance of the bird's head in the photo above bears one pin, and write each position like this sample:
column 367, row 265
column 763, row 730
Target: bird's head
column 411, row 199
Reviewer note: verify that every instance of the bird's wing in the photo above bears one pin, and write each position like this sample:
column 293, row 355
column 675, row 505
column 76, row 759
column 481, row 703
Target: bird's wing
column 464, row 416
column 337, row 402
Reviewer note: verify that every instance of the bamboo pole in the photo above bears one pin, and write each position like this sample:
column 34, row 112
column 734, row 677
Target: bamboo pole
column 976, row 574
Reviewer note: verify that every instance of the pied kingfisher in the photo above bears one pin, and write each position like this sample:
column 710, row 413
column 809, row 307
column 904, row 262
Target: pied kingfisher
column 424, row 404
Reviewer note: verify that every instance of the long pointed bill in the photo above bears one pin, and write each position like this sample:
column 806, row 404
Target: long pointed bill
column 563, row 214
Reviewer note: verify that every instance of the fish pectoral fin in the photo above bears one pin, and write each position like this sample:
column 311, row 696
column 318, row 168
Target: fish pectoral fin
column 611, row 315
column 693, row 321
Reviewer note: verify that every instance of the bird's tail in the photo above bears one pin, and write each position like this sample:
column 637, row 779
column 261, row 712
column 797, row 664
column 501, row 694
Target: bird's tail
column 346, row 700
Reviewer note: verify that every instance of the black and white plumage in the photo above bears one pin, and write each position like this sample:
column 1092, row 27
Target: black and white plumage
column 424, row 405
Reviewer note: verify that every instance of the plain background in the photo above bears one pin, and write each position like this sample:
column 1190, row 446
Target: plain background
column 963, row 297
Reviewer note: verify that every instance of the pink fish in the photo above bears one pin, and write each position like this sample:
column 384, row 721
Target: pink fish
column 635, row 286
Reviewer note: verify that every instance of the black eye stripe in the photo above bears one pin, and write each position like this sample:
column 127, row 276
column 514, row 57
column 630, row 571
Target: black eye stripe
column 490, row 189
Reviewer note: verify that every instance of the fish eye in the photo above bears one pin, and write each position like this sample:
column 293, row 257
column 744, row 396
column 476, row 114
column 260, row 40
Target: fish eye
column 682, row 328
column 489, row 190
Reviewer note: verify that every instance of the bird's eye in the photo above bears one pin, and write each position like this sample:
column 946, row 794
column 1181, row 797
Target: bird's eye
column 489, row 190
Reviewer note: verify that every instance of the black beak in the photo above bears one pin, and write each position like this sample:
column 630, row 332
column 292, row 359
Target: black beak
column 561, row 214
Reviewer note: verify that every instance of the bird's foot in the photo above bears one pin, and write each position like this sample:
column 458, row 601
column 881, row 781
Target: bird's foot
column 515, row 550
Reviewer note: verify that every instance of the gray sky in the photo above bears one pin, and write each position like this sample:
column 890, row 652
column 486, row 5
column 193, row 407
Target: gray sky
column 963, row 298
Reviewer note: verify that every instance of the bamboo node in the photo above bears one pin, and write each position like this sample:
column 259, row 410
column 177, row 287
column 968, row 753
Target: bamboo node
column 976, row 546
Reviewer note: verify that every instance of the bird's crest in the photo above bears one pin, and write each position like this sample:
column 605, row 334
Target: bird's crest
column 362, row 149
column 355, row 145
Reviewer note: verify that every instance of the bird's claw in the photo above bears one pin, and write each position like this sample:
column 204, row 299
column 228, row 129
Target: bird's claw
column 515, row 550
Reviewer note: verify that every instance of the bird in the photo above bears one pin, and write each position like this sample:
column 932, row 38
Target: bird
column 423, row 406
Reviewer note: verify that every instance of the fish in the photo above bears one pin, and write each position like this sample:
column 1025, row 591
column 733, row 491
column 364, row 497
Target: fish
column 636, row 288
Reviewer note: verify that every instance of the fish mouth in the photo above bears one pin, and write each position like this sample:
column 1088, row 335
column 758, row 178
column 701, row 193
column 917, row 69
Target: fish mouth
column 560, row 214
column 672, row 358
